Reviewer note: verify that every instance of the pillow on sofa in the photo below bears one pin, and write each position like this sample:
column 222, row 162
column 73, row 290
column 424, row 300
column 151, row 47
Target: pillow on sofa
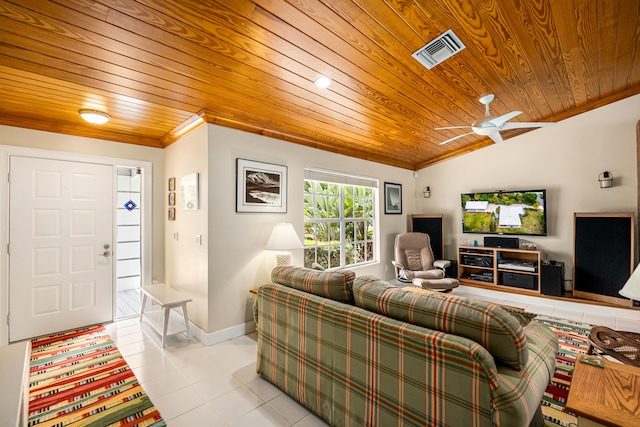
column 335, row 285
column 485, row 323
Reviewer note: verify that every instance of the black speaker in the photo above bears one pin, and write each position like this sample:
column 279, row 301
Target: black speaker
column 502, row 242
column 551, row 278
column 603, row 253
column 452, row 270
column 433, row 225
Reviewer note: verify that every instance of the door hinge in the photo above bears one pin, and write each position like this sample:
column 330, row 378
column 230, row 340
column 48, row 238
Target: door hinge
column 8, row 322
column 8, row 249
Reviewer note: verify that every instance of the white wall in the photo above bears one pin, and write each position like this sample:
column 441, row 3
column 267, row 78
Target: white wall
column 565, row 159
column 237, row 259
column 186, row 259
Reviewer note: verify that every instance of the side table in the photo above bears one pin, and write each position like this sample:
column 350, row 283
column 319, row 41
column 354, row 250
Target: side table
column 167, row 298
column 605, row 396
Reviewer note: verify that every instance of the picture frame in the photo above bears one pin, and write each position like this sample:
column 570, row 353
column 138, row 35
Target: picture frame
column 190, row 200
column 172, row 199
column 171, row 214
column 260, row 187
column 392, row 198
column 172, row 184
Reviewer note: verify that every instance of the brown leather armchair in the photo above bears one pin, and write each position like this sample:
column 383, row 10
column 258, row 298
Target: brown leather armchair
column 414, row 262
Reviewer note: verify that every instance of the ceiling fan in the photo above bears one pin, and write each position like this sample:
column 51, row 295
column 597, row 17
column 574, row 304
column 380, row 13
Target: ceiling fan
column 491, row 126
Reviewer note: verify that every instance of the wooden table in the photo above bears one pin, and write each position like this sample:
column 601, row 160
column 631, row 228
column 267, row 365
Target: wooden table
column 167, row 298
column 607, row 396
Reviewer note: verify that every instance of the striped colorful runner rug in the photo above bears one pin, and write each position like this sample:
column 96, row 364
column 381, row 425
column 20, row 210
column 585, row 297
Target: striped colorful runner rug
column 572, row 339
column 79, row 378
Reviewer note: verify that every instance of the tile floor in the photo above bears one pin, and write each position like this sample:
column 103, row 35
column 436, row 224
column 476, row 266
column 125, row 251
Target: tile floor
column 195, row 385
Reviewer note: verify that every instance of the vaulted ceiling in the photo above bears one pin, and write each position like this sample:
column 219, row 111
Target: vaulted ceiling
column 157, row 66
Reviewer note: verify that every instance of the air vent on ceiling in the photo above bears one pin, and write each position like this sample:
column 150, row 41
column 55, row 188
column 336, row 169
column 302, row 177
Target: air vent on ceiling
column 444, row 46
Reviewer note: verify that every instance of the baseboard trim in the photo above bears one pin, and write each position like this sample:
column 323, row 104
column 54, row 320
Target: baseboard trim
column 211, row 338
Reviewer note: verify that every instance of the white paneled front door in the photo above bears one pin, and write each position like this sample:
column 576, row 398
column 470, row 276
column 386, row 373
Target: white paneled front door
column 60, row 245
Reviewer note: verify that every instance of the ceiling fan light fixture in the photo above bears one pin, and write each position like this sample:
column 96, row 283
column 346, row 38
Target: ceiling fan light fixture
column 95, row 117
column 322, row 82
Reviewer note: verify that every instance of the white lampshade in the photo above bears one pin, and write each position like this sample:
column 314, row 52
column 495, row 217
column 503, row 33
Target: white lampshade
column 631, row 289
column 283, row 238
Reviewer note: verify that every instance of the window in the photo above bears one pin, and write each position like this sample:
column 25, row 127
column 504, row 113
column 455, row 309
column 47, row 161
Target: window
column 339, row 214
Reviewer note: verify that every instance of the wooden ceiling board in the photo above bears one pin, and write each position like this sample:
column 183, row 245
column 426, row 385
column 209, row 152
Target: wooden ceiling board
column 158, row 65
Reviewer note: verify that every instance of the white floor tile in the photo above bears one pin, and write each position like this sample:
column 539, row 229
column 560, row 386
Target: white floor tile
column 178, row 402
column 547, row 311
column 150, row 371
column 628, row 325
column 263, row 416
column 151, row 355
column 576, row 316
column 216, row 385
column 264, row 389
column 291, row 410
column 235, row 404
column 598, row 320
column 311, row 420
column 164, row 384
column 202, row 416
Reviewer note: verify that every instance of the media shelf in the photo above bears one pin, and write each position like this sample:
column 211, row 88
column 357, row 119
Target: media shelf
column 500, row 268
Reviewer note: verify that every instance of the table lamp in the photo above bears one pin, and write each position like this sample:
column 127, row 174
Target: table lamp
column 631, row 288
column 283, row 239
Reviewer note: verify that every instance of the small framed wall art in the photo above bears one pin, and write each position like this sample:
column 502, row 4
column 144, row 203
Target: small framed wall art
column 189, row 192
column 260, row 187
column 392, row 198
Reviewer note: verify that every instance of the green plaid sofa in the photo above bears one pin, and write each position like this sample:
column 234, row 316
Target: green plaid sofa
column 361, row 352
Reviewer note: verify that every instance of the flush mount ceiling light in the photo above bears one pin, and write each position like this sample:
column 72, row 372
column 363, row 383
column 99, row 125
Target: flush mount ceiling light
column 322, row 82
column 94, row 117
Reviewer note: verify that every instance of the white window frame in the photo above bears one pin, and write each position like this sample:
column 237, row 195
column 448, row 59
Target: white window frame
column 342, row 180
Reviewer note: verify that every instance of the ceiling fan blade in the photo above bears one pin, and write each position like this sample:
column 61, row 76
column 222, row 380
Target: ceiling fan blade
column 454, row 127
column 496, row 137
column 456, row 137
column 499, row 121
column 518, row 125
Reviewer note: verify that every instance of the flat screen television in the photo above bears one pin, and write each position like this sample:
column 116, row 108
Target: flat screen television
column 505, row 212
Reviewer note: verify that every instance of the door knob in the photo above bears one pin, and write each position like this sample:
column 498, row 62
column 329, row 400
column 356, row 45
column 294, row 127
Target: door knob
column 105, row 254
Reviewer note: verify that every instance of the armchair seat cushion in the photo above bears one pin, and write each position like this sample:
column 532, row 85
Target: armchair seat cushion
column 428, row 274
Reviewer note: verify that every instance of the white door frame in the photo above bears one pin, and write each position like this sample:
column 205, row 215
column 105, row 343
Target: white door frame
column 146, row 212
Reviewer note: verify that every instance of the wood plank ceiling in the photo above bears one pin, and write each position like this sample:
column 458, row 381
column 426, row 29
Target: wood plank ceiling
column 157, row 65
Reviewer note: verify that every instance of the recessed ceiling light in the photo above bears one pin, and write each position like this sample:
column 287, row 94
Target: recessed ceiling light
column 94, row 117
column 323, row 82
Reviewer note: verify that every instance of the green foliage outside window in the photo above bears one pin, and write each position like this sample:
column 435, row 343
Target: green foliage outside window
column 339, row 224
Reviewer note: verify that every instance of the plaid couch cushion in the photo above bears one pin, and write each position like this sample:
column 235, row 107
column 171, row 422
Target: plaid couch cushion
column 335, row 285
column 485, row 323
column 353, row 367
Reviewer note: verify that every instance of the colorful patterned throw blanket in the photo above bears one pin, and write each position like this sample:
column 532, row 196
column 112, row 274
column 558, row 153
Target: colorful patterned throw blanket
column 79, row 378
column 572, row 339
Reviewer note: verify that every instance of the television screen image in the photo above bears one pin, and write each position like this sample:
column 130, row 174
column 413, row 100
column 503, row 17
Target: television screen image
column 505, row 212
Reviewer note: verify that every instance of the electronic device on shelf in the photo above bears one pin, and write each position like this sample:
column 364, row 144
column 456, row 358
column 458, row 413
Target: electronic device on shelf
column 512, row 264
column 487, row 276
column 477, row 261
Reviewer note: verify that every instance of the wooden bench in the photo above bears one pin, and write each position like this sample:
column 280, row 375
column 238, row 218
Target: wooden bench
column 167, row 298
